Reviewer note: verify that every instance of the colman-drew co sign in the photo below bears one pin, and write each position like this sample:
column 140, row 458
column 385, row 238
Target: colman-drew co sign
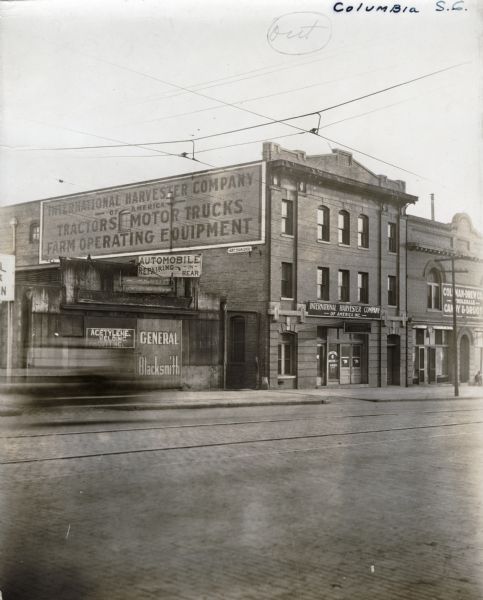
column 469, row 301
column 211, row 209
column 343, row 311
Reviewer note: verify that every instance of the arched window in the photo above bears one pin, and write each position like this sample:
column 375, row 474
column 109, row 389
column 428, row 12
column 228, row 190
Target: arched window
column 34, row 235
column 323, row 224
column 237, row 339
column 434, row 289
column 344, row 228
column 363, row 231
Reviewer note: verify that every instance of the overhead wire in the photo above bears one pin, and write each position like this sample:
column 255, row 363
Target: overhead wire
column 284, row 120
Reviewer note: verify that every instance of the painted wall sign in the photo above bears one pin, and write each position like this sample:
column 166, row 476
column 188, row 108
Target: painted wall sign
column 110, row 337
column 159, row 350
column 469, row 301
column 166, row 265
column 212, row 209
column 7, row 277
column 345, row 311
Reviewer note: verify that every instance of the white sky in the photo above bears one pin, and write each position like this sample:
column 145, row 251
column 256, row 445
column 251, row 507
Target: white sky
column 84, row 72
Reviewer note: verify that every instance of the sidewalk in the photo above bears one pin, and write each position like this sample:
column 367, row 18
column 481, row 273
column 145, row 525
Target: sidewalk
column 169, row 399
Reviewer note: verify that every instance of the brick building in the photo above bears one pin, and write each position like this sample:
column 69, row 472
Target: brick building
column 430, row 304
column 287, row 272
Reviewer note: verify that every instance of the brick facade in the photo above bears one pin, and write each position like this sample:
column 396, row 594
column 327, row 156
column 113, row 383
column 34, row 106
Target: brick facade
column 258, row 336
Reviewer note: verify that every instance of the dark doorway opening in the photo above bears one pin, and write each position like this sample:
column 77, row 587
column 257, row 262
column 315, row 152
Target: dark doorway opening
column 393, row 360
column 464, row 359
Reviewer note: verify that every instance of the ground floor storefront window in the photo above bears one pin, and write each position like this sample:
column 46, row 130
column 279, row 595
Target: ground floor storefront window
column 286, row 356
column 431, row 354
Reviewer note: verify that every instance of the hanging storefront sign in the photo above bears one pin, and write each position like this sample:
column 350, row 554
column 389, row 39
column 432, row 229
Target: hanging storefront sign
column 7, row 277
column 343, row 311
column 170, row 265
column 109, row 337
column 469, row 301
column 159, row 350
column 211, row 209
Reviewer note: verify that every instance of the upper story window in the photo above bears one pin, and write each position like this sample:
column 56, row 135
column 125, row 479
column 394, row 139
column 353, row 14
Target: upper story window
column 391, row 237
column 287, row 280
column 344, row 295
column 322, row 283
column 323, row 224
column 363, row 231
column 287, row 217
column 363, row 287
column 392, row 290
column 434, row 290
column 34, row 235
column 344, row 228
column 420, row 337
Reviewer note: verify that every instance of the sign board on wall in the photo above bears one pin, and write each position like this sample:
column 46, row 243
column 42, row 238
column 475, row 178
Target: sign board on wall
column 469, row 301
column 211, row 209
column 344, row 311
column 109, row 337
column 7, row 277
column 170, row 265
column 159, row 350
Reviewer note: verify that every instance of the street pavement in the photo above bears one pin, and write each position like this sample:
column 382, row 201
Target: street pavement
column 349, row 499
column 12, row 398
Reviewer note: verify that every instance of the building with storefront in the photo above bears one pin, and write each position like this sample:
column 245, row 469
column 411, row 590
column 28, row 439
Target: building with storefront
column 286, row 272
column 338, row 276
column 433, row 248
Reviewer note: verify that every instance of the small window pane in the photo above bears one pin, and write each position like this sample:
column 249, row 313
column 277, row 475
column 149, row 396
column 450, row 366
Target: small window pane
column 344, row 228
column 323, row 224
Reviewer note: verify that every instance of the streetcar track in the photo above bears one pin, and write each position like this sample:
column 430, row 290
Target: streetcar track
column 234, row 443
column 219, row 423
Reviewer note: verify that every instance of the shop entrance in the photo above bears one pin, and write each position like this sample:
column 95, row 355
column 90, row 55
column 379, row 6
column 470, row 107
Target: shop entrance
column 393, row 360
column 345, row 363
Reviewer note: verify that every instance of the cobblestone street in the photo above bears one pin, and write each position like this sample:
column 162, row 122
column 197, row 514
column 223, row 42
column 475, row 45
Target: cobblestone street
column 339, row 501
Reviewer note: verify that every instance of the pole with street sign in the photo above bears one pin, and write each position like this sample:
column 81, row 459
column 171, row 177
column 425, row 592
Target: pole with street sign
column 7, row 294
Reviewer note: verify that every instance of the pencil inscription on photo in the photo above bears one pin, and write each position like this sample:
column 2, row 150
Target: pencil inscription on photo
column 299, row 33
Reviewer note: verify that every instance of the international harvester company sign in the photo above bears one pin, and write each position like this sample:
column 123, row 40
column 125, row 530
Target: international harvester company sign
column 344, row 311
column 217, row 208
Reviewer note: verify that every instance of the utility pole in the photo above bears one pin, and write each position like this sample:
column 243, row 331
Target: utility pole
column 455, row 333
column 455, row 330
column 170, row 198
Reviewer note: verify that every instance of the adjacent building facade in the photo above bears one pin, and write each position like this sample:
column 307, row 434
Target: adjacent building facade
column 434, row 250
column 290, row 272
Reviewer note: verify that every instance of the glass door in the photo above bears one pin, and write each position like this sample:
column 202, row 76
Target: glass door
column 321, row 364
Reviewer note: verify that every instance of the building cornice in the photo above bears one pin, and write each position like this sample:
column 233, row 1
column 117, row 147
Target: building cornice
column 340, row 182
